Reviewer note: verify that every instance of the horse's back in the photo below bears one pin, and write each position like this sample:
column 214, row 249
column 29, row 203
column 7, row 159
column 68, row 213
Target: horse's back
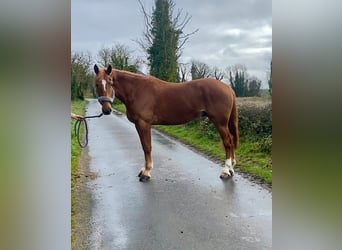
column 194, row 97
column 207, row 86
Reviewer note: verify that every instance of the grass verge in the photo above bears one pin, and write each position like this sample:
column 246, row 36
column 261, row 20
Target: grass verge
column 249, row 158
column 77, row 107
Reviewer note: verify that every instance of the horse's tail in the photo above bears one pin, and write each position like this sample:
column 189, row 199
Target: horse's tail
column 233, row 124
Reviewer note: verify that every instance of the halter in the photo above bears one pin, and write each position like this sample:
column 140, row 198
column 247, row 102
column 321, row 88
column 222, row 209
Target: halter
column 102, row 99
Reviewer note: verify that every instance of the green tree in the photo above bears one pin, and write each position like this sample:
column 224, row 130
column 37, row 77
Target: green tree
column 242, row 83
column 81, row 78
column 253, row 87
column 163, row 39
column 238, row 79
column 162, row 53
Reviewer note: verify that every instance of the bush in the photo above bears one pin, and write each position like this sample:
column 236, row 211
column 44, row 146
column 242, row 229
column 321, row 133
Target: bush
column 255, row 119
column 265, row 145
column 255, row 123
column 208, row 129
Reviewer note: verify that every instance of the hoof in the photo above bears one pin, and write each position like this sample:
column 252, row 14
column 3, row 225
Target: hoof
column 225, row 176
column 144, row 178
column 140, row 173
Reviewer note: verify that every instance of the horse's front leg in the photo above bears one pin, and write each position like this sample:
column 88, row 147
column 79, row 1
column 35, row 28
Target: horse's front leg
column 144, row 131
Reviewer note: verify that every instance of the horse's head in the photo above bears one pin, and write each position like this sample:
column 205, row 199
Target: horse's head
column 104, row 88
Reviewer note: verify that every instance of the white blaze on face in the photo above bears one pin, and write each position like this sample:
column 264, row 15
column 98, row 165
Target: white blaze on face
column 104, row 83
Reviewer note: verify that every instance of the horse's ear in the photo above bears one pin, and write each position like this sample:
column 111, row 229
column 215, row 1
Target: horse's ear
column 109, row 69
column 96, row 69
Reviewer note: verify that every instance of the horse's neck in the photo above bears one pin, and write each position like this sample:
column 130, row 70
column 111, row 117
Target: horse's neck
column 125, row 87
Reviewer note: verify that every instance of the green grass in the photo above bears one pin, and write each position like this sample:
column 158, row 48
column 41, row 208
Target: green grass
column 77, row 107
column 249, row 157
column 251, row 160
column 120, row 107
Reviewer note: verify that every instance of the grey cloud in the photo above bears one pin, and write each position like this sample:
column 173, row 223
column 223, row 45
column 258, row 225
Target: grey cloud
column 105, row 22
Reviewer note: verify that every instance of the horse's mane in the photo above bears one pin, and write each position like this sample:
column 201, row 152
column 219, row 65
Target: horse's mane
column 131, row 74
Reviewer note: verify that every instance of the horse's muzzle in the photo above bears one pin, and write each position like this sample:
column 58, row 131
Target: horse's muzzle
column 106, row 111
column 106, row 102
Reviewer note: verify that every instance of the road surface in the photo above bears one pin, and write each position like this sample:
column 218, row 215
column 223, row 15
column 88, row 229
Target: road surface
column 184, row 206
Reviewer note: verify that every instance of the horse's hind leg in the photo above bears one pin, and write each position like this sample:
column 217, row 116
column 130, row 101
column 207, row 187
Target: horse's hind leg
column 144, row 131
column 228, row 169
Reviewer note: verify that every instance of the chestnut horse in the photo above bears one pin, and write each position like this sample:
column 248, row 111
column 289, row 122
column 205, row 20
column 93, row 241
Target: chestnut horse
column 150, row 101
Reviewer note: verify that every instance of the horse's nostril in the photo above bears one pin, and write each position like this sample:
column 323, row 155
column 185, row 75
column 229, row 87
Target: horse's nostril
column 106, row 111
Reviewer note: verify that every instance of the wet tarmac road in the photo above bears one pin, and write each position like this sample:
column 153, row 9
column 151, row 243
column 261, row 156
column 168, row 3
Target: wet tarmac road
column 184, row 206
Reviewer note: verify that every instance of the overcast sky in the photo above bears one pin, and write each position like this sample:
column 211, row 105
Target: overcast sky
column 230, row 31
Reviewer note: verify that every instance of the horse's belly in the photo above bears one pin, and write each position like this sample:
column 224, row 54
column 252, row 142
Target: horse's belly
column 170, row 118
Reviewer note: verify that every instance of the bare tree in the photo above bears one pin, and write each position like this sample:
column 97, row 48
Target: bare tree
column 119, row 56
column 199, row 70
column 218, row 74
column 184, row 71
column 103, row 57
column 253, row 88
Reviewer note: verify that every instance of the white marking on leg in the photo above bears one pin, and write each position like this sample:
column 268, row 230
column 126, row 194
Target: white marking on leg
column 148, row 171
column 228, row 167
column 104, row 83
column 232, row 164
column 228, row 163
